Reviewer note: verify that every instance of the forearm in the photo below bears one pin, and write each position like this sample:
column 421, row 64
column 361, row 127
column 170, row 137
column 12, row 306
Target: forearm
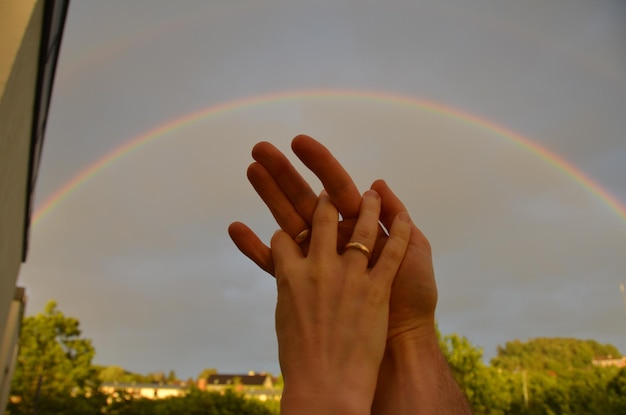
column 330, row 389
column 415, row 378
column 339, row 402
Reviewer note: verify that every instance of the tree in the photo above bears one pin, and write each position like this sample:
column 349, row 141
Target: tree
column 112, row 374
column 196, row 402
column 171, row 377
column 616, row 391
column 558, row 355
column 206, row 373
column 156, row 377
column 556, row 376
column 279, row 383
column 487, row 390
column 53, row 363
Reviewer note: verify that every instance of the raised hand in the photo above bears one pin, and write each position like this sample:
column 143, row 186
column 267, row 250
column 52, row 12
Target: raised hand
column 292, row 202
column 414, row 376
column 332, row 310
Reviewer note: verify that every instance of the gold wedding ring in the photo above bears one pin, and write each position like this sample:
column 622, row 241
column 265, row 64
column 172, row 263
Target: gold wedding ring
column 302, row 236
column 359, row 247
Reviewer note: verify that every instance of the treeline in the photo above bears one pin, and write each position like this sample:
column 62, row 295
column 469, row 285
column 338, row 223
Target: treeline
column 120, row 375
column 544, row 376
column 54, row 375
column 195, row 402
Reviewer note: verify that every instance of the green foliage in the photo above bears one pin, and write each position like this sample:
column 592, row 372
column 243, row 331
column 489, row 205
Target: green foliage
column 280, row 382
column 487, row 389
column 206, row 373
column 171, row 377
column 466, row 363
column 120, row 375
column 544, row 376
column 556, row 355
column 195, row 403
column 616, row 392
column 54, row 362
column 540, row 377
column 556, row 375
column 113, row 374
column 61, row 404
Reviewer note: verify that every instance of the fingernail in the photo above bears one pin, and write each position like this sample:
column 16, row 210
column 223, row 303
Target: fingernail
column 404, row 217
column 371, row 193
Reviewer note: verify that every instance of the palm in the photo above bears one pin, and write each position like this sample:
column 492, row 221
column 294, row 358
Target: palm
column 414, row 293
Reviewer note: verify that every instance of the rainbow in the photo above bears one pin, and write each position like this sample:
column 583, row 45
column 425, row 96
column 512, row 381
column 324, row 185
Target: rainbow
column 524, row 143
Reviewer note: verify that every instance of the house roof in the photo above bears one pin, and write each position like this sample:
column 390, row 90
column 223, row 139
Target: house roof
column 232, row 379
column 130, row 385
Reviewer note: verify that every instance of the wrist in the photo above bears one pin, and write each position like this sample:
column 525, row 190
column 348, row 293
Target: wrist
column 323, row 389
column 412, row 357
column 415, row 374
column 340, row 401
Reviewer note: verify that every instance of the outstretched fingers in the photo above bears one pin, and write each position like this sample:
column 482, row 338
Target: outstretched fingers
column 287, row 182
column 336, row 180
column 291, row 200
column 276, row 199
column 287, row 195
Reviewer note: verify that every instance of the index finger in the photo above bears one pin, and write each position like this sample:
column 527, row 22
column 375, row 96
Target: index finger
column 283, row 210
column 336, row 180
column 286, row 178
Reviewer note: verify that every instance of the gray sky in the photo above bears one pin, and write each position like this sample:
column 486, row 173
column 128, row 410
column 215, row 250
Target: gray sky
column 140, row 254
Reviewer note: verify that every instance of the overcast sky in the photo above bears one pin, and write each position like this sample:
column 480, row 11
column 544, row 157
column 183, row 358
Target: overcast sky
column 140, row 253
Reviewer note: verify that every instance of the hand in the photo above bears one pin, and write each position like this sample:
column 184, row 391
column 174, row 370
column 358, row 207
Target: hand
column 332, row 310
column 414, row 376
column 290, row 198
column 292, row 202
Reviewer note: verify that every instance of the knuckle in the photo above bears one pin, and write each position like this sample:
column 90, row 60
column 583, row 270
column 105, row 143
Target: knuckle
column 326, row 216
column 394, row 253
column 362, row 234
